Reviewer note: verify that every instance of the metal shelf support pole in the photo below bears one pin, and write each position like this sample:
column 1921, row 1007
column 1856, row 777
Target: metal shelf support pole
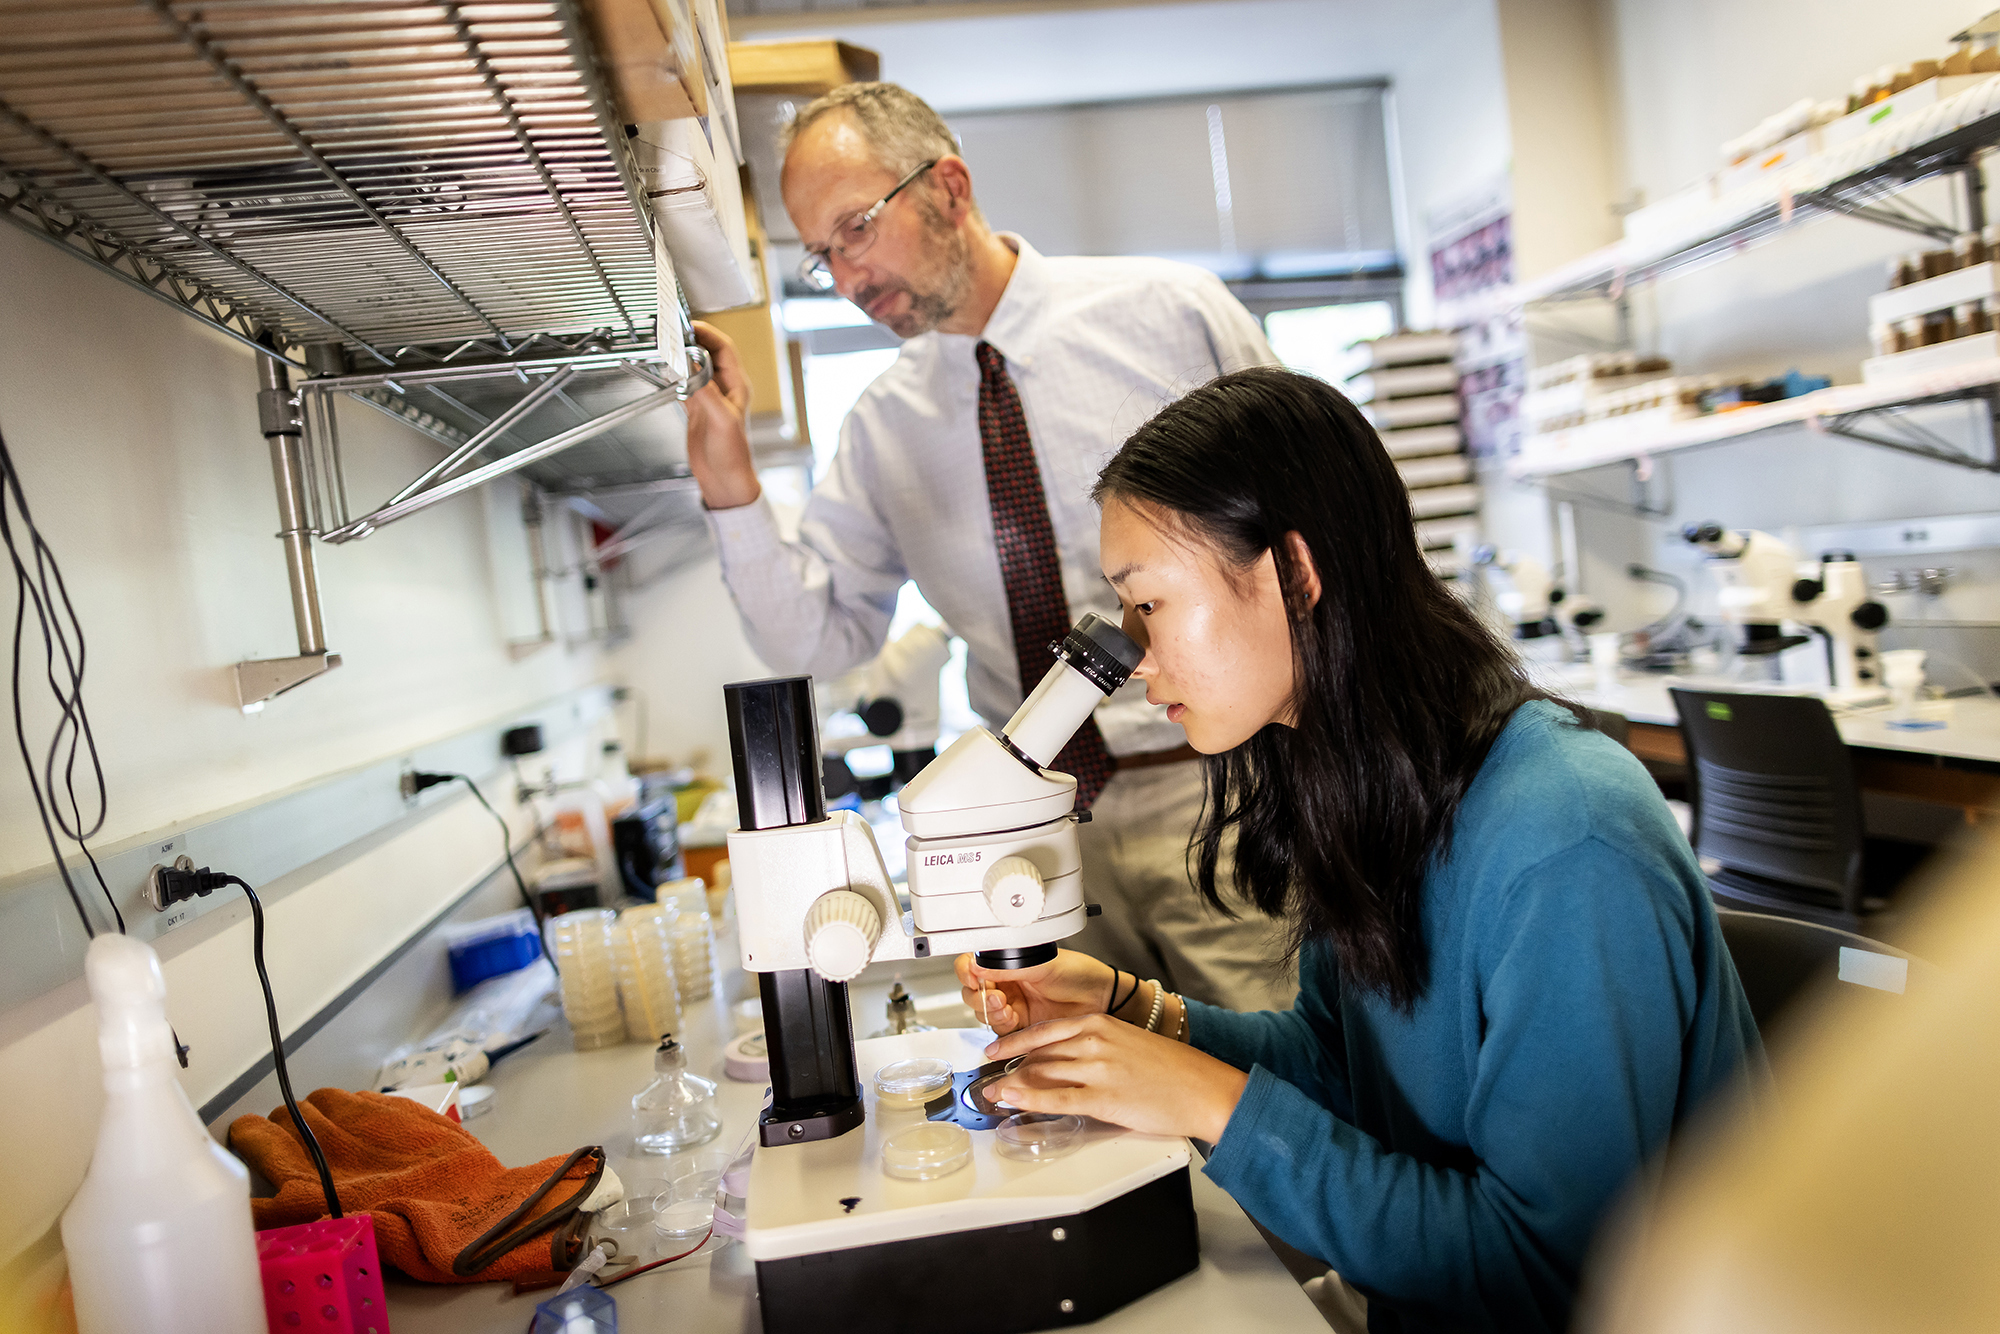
column 278, row 417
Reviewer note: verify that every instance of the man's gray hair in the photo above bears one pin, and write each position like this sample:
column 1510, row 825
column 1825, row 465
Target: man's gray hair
column 900, row 127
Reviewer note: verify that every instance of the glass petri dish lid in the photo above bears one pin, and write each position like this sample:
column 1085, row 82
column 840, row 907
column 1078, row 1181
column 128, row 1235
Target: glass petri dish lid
column 1036, row 1137
column 926, row 1151
column 913, row 1083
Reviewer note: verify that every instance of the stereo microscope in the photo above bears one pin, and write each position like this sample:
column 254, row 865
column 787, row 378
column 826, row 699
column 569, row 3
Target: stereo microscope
column 1763, row 584
column 911, row 1198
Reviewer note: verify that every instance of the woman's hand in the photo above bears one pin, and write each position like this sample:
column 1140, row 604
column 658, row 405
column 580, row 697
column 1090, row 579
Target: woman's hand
column 1006, row 999
column 1094, row 1065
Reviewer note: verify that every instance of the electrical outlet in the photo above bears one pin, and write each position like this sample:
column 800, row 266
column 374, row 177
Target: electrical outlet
column 167, row 852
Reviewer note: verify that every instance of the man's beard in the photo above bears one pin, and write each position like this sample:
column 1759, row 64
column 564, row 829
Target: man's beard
column 952, row 280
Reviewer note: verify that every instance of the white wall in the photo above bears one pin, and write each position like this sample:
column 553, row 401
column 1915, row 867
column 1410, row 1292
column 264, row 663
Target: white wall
column 135, row 432
column 1685, row 76
column 687, row 643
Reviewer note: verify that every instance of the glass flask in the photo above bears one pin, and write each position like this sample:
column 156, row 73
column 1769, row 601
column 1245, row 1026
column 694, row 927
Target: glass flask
column 677, row 1110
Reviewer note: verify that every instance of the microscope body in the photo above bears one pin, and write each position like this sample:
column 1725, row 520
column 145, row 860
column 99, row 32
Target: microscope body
column 994, row 869
column 1762, row 583
column 1837, row 603
column 1755, row 573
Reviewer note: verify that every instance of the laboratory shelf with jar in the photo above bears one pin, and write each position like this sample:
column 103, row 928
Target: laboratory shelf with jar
column 1851, row 159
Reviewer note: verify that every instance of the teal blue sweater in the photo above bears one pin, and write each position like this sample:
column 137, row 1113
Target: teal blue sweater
column 1453, row 1162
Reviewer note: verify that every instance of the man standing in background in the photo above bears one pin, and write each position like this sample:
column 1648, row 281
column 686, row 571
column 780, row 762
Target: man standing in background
column 967, row 467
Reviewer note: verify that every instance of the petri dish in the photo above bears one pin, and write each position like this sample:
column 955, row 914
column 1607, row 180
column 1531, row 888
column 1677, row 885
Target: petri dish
column 627, row 1221
column 912, row 1083
column 684, row 1220
column 687, row 1210
column 1036, row 1137
column 926, row 1151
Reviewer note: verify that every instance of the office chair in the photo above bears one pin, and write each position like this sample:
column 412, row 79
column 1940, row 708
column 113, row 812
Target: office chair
column 1776, row 803
column 1779, row 958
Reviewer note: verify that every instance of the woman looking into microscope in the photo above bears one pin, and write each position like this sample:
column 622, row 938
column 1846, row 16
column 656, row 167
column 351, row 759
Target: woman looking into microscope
column 1513, row 984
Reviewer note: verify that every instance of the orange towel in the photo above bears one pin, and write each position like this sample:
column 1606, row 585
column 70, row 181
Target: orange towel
column 434, row 1190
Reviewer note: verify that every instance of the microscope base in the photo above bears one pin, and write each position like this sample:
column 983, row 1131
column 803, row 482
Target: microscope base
column 841, row 1245
column 1015, row 1276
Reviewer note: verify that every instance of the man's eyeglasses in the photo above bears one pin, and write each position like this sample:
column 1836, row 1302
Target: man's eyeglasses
column 851, row 237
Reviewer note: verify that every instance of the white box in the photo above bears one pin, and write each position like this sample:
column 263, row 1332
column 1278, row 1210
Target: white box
column 1936, row 357
column 1974, row 283
column 1418, row 441
column 1437, row 470
column 1431, row 502
column 1403, row 349
column 1403, row 382
column 1764, row 161
column 1897, row 109
column 1412, row 411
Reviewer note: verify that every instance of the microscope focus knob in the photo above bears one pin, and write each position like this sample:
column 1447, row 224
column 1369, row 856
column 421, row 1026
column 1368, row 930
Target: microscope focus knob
column 841, row 930
column 1014, row 891
column 1870, row 616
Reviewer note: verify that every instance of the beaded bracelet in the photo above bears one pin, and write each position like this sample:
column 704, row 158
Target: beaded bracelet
column 1159, row 1004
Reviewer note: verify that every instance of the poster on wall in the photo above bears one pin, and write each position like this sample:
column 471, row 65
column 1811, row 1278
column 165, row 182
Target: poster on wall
column 1472, row 276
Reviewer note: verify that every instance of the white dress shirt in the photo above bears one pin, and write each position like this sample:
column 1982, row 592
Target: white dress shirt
column 1095, row 347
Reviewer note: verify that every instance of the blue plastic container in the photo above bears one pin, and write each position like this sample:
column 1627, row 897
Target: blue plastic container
column 490, row 947
column 579, row 1309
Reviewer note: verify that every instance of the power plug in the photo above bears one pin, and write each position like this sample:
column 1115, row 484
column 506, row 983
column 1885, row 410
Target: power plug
column 168, row 885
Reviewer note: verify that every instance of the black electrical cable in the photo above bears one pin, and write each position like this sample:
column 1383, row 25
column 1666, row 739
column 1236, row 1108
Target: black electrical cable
column 420, row 781
column 44, row 589
column 1646, row 574
column 278, row 1044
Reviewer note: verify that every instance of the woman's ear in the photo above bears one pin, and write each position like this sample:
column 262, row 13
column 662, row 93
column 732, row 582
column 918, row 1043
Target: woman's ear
column 1302, row 560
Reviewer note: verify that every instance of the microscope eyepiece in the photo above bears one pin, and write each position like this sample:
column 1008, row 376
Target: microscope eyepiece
column 1101, row 651
column 1093, row 659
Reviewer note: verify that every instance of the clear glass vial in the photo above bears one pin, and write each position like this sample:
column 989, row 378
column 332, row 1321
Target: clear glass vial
column 677, row 1110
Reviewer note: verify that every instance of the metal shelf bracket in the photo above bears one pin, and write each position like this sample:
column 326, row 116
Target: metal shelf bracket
column 1894, row 429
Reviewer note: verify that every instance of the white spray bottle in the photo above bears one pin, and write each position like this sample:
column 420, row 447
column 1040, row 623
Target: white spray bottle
column 159, row 1236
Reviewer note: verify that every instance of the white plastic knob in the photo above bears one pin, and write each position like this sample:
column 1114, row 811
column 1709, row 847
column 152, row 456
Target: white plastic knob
column 841, row 930
column 1014, row 892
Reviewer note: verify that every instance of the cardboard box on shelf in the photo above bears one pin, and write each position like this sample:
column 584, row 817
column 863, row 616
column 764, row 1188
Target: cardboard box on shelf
column 651, row 52
column 802, row 69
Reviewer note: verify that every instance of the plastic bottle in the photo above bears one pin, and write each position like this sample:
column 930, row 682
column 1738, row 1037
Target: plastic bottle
column 159, row 1236
column 677, row 1110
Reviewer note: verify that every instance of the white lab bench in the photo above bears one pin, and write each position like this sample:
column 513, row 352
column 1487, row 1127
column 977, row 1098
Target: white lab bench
column 1955, row 765
column 550, row 1098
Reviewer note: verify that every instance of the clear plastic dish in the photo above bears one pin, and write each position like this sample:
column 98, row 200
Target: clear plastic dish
column 914, row 1082
column 629, row 1220
column 687, row 1209
column 926, row 1151
column 1036, row 1137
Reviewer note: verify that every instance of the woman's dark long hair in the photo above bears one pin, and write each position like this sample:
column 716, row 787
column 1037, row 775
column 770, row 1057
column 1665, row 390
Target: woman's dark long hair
column 1399, row 691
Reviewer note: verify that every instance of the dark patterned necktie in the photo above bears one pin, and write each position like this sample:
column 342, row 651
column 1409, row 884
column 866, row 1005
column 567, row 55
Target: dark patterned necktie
column 1028, row 564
